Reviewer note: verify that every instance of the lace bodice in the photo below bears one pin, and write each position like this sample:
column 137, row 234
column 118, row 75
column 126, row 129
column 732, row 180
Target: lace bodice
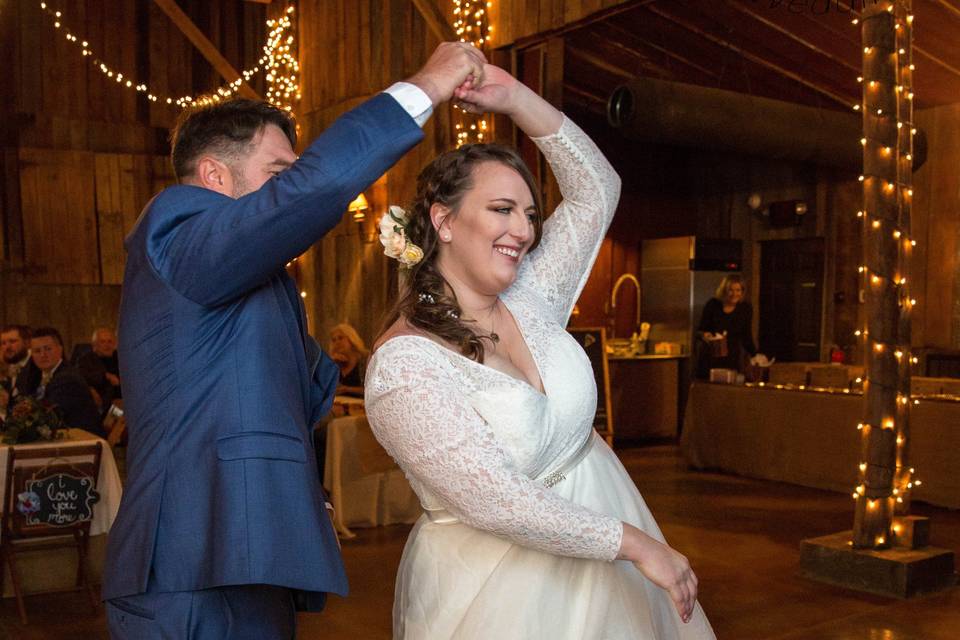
column 474, row 441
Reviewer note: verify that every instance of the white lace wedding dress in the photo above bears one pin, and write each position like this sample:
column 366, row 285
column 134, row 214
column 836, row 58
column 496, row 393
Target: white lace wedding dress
column 523, row 501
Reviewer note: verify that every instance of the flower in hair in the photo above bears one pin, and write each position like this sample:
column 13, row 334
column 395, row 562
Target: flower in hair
column 393, row 237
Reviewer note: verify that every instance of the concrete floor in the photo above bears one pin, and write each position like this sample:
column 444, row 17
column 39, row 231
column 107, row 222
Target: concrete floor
column 742, row 537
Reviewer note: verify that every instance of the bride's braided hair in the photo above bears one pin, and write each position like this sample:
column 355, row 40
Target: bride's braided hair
column 426, row 300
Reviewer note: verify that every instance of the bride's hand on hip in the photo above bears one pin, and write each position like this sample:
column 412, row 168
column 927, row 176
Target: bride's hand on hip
column 663, row 566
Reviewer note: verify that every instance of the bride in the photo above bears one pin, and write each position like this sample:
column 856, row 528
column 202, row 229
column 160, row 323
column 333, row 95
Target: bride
column 532, row 527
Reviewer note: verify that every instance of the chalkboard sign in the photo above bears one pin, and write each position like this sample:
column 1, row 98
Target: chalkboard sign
column 594, row 343
column 57, row 500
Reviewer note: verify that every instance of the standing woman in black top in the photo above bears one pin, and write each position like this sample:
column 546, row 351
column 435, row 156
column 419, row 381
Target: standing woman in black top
column 726, row 314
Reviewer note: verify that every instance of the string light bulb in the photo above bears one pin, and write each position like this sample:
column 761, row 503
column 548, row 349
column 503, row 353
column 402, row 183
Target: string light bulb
column 278, row 47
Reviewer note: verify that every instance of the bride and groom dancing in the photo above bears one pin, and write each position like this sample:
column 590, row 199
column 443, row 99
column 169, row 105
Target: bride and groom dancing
column 532, row 528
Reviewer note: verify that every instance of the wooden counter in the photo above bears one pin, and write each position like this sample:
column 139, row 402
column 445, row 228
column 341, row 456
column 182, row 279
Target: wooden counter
column 645, row 396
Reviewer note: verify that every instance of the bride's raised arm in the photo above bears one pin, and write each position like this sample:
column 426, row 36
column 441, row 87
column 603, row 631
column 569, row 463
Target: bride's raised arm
column 559, row 267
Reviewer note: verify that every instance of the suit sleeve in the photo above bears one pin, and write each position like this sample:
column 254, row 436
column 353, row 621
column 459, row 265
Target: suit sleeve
column 234, row 245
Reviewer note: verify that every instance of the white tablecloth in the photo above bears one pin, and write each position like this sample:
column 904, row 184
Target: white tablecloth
column 811, row 439
column 57, row 568
column 367, row 489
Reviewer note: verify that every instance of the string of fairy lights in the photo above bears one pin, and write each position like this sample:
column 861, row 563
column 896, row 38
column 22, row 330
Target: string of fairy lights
column 874, row 277
column 278, row 62
column 472, row 24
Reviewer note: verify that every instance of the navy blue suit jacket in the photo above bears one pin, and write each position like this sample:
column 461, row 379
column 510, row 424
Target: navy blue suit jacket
column 221, row 382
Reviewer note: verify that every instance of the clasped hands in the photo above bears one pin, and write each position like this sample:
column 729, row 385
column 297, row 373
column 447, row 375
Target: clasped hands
column 459, row 71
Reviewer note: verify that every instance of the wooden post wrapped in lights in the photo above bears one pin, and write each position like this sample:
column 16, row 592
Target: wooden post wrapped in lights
column 888, row 551
column 885, row 478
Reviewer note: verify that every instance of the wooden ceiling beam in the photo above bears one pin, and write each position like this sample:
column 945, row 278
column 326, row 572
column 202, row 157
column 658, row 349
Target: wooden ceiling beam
column 950, row 7
column 436, row 21
column 600, row 63
column 736, row 4
column 726, row 44
column 597, row 16
column 203, row 44
column 593, row 102
column 929, row 56
column 623, row 35
column 611, row 49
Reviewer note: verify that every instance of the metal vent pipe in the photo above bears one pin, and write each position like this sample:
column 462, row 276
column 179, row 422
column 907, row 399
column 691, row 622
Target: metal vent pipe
column 686, row 115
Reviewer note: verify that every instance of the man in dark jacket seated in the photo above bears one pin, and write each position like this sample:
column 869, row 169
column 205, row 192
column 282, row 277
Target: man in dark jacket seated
column 100, row 367
column 61, row 385
column 18, row 375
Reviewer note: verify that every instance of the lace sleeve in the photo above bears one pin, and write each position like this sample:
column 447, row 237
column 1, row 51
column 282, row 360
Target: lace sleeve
column 423, row 421
column 559, row 267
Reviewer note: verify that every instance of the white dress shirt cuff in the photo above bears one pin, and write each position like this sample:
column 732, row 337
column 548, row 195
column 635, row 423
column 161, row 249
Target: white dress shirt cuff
column 413, row 100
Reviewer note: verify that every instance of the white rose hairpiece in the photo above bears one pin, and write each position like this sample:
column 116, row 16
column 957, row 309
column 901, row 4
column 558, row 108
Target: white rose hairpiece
column 393, row 237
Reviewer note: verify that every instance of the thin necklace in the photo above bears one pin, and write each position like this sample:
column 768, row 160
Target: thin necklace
column 493, row 322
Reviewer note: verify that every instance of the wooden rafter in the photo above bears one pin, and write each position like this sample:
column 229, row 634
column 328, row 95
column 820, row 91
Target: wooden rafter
column 601, row 63
column 203, row 44
column 625, row 35
column 929, row 56
column 792, row 36
column 726, row 44
column 597, row 16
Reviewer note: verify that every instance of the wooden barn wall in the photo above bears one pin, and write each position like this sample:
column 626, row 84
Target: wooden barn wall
column 936, row 227
column 81, row 155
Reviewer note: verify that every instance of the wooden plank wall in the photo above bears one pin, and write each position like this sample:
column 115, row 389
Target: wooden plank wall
column 936, row 228
column 81, row 155
column 349, row 50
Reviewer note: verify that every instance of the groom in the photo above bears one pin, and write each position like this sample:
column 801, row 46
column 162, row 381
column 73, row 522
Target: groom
column 222, row 530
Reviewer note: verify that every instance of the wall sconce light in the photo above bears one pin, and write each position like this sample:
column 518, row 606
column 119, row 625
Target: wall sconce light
column 359, row 208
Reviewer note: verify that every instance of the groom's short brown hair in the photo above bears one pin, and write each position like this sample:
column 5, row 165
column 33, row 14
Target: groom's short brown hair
column 223, row 129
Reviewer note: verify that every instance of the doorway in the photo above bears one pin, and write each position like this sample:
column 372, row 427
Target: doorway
column 791, row 299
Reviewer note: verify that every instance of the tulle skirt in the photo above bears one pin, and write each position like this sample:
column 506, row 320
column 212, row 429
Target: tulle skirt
column 458, row 582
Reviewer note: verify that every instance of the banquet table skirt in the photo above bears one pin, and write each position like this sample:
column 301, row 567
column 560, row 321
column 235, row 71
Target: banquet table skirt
column 367, row 489
column 811, row 439
column 55, row 569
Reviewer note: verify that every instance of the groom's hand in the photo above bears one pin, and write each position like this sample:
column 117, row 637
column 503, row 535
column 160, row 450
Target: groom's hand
column 452, row 65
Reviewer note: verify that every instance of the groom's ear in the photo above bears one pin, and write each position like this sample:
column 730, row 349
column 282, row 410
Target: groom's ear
column 438, row 217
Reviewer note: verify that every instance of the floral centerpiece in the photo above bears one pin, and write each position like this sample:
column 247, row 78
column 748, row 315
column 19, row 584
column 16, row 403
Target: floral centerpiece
column 31, row 420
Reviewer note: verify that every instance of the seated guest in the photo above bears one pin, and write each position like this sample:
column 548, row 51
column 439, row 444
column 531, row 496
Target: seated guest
column 350, row 353
column 61, row 385
column 19, row 376
column 101, row 368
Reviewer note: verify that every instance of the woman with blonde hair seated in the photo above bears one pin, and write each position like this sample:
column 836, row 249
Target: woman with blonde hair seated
column 350, row 353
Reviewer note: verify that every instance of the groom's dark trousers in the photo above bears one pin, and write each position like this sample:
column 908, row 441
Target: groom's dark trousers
column 222, row 385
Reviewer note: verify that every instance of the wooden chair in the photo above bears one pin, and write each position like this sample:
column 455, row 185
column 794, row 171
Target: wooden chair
column 32, row 469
